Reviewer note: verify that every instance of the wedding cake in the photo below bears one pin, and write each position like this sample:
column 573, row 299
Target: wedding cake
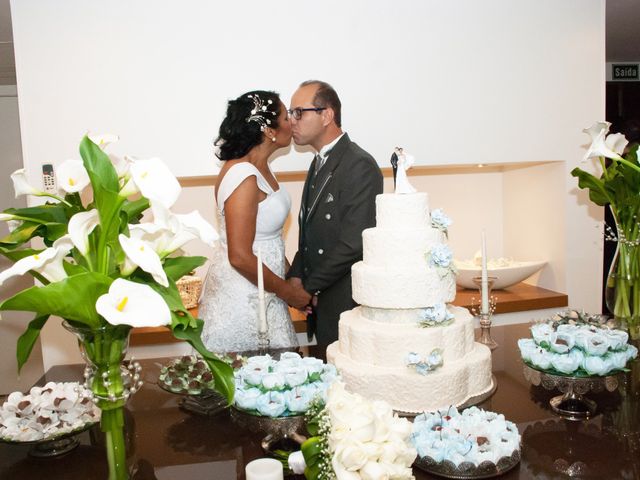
column 405, row 344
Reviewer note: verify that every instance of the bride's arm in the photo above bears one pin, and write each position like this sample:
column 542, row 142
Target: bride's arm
column 240, row 213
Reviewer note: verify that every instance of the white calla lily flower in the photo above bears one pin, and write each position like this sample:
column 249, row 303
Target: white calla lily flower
column 142, row 254
column 616, row 142
column 21, row 185
column 599, row 146
column 134, row 304
column 48, row 263
column 155, row 181
column 181, row 228
column 121, row 164
column 195, row 222
column 103, row 139
column 72, row 176
column 80, row 227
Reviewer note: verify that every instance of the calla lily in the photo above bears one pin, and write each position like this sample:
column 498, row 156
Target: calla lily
column 121, row 164
column 72, row 176
column 80, row 227
column 155, row 181
column 197, row 224
column 103, row 139
column 21, row 185
column 603, row 146
column 48, row 263
column 141, row 254
column 135, row 304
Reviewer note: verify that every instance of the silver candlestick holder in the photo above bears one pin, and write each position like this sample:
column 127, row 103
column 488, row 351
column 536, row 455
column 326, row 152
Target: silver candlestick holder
column 263, row 336
column 485, row 317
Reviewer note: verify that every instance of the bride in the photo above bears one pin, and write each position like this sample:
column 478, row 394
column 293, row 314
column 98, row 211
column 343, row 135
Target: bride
column 252, row 209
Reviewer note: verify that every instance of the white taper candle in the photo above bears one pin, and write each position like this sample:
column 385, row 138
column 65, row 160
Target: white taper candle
column 484, row 284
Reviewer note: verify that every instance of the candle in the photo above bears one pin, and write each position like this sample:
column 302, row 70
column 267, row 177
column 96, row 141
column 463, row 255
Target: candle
column 484, row 284
column 264, row 469
column 262, row 313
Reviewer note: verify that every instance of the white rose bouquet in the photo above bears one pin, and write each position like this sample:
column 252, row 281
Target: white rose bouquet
column 354, row 439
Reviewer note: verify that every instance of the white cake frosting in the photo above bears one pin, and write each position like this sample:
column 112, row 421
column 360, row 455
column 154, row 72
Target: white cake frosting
column 395, row 271
column 395, row 283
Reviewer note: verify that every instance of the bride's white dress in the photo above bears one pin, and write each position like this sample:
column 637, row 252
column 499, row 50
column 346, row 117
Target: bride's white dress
column 228, row 300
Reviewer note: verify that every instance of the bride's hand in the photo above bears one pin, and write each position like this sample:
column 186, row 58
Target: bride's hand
column 298, row 297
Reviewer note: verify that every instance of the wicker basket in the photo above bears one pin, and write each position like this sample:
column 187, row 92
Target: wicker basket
column 189, row 288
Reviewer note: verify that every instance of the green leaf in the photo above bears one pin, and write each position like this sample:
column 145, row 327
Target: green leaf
column 73, row 298
column 47, row 213
column 311, row 449
column 222, row 371
column 20, row 235
column 16, row 255
column 134, row 209
column 177, row 267
column 597, row 192
column 28, row 339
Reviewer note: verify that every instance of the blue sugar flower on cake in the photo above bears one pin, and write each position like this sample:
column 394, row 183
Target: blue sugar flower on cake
column 440, row 257
column 437, row 315
column 284, row 387
column 579, row 349
column 425, row 365
column 440, row 220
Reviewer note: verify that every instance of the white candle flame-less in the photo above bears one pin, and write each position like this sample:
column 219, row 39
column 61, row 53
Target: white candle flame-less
column 484, row 284
column 264, row 469
column 262, row 313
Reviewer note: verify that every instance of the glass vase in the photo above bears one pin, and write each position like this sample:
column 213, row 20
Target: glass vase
column 104, row 349
column 622, row 291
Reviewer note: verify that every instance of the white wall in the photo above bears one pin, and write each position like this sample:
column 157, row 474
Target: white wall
column 454, row 82
column 13, row 324
column 458, row 82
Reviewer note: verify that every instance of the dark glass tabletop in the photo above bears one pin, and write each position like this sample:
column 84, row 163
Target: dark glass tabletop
column 167, row 442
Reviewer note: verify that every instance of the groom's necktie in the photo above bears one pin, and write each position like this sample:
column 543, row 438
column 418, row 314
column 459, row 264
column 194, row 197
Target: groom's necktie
column 319, row 162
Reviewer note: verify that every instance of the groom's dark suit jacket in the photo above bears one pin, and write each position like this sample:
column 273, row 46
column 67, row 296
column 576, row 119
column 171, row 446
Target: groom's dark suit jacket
column 338, row 203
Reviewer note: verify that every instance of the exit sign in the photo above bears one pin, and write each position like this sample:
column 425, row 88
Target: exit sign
column 625, row 71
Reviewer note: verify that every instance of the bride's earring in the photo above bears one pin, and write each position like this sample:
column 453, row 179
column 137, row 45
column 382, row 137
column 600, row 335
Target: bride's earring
column 273, row 139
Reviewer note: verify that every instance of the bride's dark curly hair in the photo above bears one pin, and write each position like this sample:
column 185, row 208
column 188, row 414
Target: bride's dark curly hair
column 237, row 136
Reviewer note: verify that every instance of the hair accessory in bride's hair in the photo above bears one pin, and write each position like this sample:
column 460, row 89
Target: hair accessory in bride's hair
column 260, row 111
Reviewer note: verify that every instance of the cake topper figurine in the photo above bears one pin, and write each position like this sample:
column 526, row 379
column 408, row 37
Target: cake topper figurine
column 401, row 162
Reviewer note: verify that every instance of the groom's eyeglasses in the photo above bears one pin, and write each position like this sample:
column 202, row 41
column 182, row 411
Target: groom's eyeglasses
column 297, row 112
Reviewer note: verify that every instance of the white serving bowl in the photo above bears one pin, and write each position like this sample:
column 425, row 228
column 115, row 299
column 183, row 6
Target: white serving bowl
column 505, row 276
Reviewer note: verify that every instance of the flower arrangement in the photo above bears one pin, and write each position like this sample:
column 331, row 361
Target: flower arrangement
column 576, row 349
column 473, row 436
column 618, row 186
column 441, row 258
column 354, row 439
column 425, row 365
column 103, row 271
column 436, row 316
column 272, row 388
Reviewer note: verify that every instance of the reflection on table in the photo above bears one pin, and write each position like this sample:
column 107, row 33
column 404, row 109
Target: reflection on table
column 165, row 442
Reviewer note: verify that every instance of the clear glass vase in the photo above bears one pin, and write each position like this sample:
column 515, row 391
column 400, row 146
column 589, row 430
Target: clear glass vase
column 104, row 349
column 622, row 291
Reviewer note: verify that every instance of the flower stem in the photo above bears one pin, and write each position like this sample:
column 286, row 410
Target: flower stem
column 112, row 425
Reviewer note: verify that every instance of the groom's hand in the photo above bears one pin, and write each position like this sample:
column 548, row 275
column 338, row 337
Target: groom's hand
column 298, row 298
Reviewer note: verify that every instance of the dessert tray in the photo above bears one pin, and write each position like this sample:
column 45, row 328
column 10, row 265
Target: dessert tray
column 468, row 445
column 272, row 396
column 48, row 418
column 576, row 356
column 188, row 375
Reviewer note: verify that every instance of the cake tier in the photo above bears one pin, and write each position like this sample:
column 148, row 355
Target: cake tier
column 398, row 211
column 376, row 343
column 396, row 248
column 408, row 391
column 412, row 286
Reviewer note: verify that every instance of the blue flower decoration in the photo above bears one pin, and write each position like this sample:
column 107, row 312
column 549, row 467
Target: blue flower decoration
column 440, row 220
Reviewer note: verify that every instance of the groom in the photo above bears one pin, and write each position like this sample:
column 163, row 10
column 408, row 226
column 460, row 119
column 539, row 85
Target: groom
column 338, row 203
